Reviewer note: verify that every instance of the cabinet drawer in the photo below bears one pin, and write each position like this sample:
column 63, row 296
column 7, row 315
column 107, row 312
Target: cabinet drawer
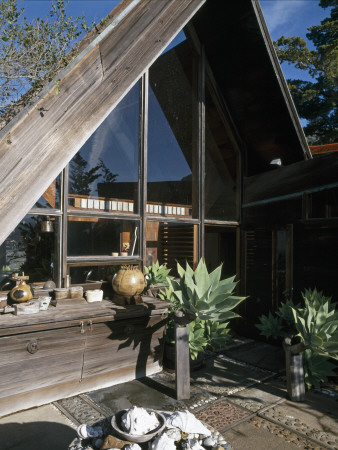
column 114, row 346
column 34, row 360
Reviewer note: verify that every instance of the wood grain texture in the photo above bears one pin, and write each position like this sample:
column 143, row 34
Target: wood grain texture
column 41, row 396
column 182, row 362
column 77, row 358
column 56, row 126
column 71, row 312
column 112, row 346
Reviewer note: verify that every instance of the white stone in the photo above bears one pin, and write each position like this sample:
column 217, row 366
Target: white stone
column 132, row 447
column 187, row 423
column 138, row 421
column 163, row 442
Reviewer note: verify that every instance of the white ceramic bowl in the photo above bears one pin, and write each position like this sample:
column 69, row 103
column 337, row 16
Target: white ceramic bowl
column 116, row 424
column 94, row 295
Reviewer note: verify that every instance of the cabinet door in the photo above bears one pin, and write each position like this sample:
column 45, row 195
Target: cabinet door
column 124, row 349
column 35, row 360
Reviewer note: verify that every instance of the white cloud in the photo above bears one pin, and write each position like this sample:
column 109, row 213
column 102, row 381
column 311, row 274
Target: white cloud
column 281, row 14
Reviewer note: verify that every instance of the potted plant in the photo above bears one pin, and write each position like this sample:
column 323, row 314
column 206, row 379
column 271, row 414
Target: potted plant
column 207, row 300
column 310, row 333
column 156, row 276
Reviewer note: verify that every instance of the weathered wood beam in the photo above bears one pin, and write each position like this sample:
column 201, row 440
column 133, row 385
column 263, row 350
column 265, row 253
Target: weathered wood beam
column 35, row 148
column 290, row 181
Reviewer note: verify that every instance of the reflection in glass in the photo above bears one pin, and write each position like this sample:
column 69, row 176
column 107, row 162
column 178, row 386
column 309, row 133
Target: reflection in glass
column 93, row 273
column 171, row 243
column 93, row 236
column 105, row 169
column 172, row 106
column 51, row 197
column 220, row 166
column 220, row 248
column 28, row 249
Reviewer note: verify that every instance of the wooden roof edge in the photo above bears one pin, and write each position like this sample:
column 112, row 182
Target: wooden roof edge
column 45, row 143
column 322, row 149
column 281, row 79
column 86, row 46
column 290, row 181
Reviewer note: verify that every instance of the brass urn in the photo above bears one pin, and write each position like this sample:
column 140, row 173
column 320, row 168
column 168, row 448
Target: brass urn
column 129, row 281
column 21, row 293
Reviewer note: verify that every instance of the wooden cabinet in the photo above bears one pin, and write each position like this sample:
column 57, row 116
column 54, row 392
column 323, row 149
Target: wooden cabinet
column 77, row 347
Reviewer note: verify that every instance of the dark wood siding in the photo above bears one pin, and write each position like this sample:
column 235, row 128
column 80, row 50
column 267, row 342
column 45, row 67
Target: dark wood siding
column 315, row 258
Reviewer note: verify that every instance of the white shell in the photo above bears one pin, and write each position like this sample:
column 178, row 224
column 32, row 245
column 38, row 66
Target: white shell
column 163, row 442
column 194, row 445
column 187, row 423
column 132, row 447
column 138, row 421
column 209, row 442
column 174, row 434
column 84, row 431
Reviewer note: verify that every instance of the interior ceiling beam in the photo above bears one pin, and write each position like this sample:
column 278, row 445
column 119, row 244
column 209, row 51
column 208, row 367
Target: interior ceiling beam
column 36, row 146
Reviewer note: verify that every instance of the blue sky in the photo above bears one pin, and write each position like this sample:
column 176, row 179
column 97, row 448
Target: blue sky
column 292, row 18
column 283, row 17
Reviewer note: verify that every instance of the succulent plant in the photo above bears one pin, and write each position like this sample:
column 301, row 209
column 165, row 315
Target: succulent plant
column 156, row 274
column 207, row 298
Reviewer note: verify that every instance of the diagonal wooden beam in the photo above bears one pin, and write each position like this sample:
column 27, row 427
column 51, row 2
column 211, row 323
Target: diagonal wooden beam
column 35, row 147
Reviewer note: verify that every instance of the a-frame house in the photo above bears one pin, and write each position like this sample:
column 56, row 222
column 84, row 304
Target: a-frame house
column 172, row 136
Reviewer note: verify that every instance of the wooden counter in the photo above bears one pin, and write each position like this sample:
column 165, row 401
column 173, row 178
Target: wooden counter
column 76, row 347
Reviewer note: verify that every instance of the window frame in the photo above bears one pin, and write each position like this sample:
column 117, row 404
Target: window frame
column 203, row 75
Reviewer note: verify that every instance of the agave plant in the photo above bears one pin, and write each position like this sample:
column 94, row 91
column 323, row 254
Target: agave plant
column 315, row 325
column 271, row 326
column 209, row 299
column 204, row 294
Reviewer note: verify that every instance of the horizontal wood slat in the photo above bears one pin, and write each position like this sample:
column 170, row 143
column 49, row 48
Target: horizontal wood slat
column 56, row 126
column 67, row 314
column 297, row 178
column 42, row 372
column 51, row 343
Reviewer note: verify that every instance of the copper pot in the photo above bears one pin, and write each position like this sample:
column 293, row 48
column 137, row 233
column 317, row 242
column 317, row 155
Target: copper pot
column 21, row 293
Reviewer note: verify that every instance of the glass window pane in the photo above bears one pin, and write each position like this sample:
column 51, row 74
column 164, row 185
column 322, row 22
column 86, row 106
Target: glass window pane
column 51, row 197
column 220, row 248
column 220, row 166
column 171, row 243
column 171, row 134
column 319, row 203
column 93, row 236
column 30, row 249
column 93, row 273
column 103, row 175
column 333, row 202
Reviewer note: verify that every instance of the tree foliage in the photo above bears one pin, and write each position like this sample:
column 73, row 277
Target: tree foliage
column 316, row 100
column 81, row 179
column 32, row 52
